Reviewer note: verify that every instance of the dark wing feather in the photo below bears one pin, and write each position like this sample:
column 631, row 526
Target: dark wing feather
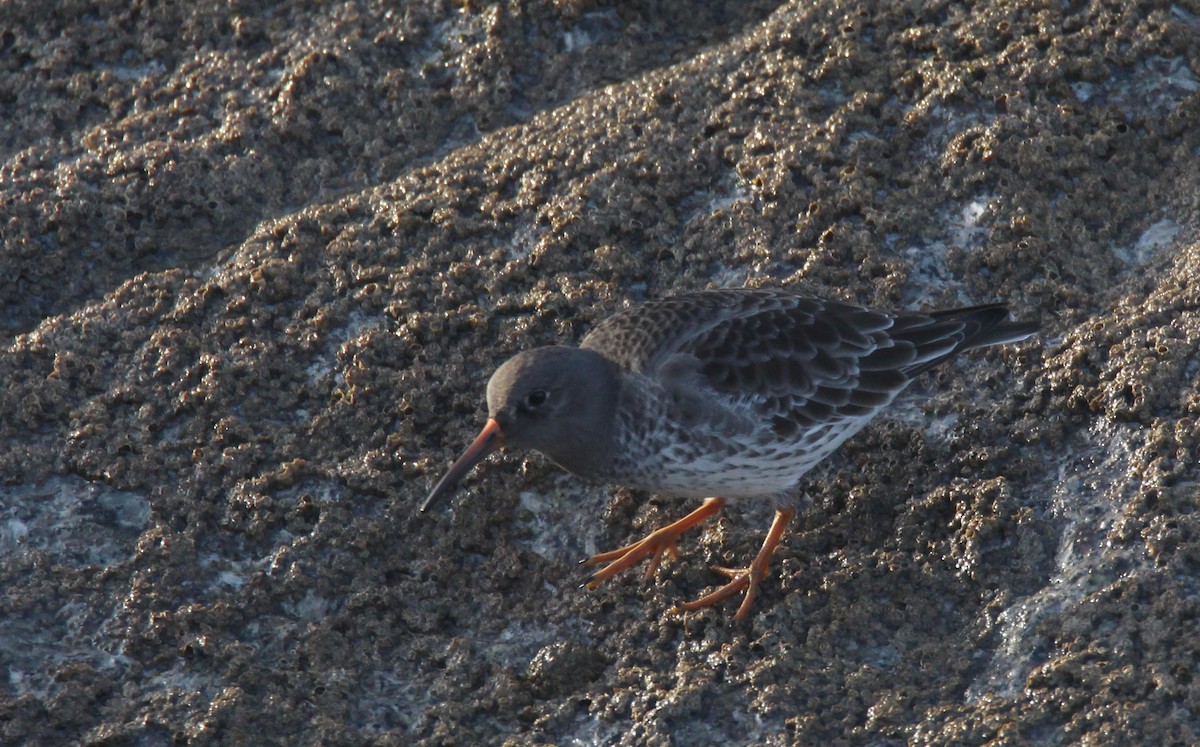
column 795, row 360
column 938, row 335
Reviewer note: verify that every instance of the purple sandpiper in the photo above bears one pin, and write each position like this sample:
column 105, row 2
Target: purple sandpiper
column 717, row 394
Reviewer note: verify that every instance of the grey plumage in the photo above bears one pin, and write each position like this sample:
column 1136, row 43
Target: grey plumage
column 733, row 393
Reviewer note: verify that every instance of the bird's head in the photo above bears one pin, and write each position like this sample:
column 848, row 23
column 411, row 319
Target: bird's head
column 556, row 400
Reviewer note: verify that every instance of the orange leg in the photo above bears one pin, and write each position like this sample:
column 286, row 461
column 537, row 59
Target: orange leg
column 747, row 578
column 655, row 544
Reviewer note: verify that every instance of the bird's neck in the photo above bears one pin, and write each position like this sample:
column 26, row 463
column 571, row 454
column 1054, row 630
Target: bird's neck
column 587, row 454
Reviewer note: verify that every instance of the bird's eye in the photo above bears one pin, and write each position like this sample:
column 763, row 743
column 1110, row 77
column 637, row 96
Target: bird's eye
column 536, row 398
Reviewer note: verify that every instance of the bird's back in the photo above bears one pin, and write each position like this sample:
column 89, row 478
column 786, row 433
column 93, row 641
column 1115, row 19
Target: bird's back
column 771, row 380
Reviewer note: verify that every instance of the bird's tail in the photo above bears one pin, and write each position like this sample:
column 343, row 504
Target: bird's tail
column 944, row 334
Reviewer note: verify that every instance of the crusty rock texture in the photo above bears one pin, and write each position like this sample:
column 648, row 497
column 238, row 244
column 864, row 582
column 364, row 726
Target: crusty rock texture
column 259, row 259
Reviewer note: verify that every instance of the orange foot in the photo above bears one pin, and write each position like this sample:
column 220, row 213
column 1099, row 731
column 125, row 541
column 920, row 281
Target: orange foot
column 656, row 543
column 746, row 579
column 665, row 540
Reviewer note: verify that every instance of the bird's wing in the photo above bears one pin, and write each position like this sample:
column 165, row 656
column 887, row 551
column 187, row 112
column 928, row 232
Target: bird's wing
column 794, row 360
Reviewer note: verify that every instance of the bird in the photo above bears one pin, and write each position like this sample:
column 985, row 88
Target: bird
column 721, row 394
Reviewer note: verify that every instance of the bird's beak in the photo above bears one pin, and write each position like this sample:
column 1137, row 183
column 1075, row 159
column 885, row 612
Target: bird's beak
column 488, row 440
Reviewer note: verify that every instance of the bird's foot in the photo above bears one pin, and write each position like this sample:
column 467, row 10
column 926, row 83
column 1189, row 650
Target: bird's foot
column 741, row 579
column 653, row 545
column 745, row 579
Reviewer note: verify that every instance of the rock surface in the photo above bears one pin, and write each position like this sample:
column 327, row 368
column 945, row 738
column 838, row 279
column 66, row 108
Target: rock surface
column 259, row 260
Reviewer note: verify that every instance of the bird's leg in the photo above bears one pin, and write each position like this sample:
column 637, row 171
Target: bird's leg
column 654, row 544
column 747, row 578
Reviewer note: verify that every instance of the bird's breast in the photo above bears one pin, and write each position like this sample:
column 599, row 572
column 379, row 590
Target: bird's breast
column 665, row 449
